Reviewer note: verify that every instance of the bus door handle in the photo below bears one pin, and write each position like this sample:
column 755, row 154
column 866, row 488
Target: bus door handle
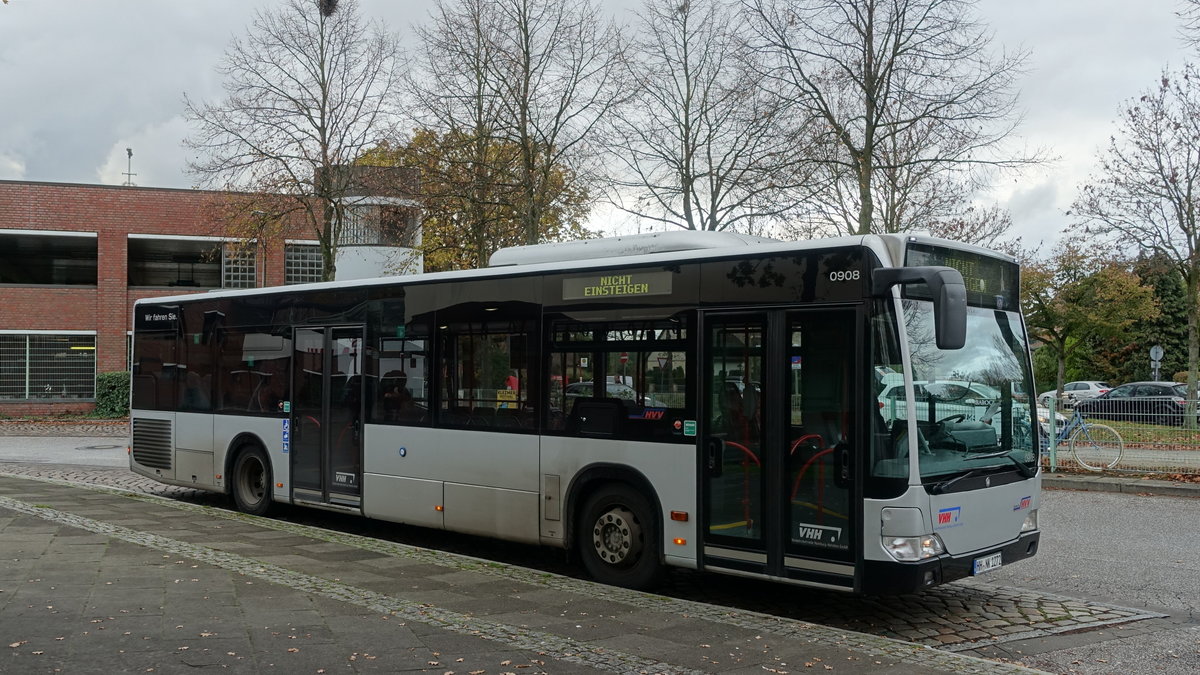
column 842, row 465
column 714, row 456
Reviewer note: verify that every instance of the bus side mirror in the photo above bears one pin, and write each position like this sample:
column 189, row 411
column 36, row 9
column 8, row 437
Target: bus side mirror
column 949, row 298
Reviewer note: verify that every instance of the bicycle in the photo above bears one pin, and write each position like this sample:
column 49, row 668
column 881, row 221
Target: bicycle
column 1094, row 447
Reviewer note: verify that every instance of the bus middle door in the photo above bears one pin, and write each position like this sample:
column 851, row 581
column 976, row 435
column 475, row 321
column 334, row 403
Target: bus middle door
column 327, row 416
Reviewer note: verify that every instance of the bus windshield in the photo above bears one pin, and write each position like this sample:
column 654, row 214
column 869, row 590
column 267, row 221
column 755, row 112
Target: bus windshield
column 972, row 405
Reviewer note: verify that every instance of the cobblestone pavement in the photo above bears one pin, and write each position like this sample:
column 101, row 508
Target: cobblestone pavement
column 99, row 579
column 962, row 616
column 81, row 427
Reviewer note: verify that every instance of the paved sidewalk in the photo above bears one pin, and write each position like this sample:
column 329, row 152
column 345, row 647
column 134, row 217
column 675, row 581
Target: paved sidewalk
column 1126, row 484
column 100, row 580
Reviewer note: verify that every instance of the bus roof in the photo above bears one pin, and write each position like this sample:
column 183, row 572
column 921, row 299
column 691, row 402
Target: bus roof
column 606, row 253
column 622, row 246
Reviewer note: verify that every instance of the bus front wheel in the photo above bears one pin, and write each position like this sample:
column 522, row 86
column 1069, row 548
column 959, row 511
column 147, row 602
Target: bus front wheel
column 252, row 482
column 618, row 538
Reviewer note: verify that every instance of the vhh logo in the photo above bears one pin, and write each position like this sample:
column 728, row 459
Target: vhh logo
column 949, row 517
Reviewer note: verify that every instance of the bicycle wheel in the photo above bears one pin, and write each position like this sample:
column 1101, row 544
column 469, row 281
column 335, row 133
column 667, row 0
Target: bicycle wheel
column 1096, row 447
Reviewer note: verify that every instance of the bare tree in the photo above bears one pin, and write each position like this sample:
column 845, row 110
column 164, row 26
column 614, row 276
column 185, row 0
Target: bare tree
column 1189, row 17
column 556, row 75
column 701, row 145
column 307, row 91
column 1147, row 188
column 453, row 94
column 906, row 90
column 535, row 75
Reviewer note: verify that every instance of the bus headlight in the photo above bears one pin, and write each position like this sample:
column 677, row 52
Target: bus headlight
column 1030, row 523
column 906, row 549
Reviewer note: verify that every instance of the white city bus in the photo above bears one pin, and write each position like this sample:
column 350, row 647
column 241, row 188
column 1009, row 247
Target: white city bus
column 704, row 400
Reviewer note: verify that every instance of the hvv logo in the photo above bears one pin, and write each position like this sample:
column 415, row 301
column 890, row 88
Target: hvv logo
column 1026, row 502
column 949, row 517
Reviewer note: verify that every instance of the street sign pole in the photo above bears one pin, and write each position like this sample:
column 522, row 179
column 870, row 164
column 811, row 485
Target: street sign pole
column 1156, row 354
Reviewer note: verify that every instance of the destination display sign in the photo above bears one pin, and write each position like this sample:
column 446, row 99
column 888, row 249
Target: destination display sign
column 156, row 317
column 990, row 282
column 617, row 285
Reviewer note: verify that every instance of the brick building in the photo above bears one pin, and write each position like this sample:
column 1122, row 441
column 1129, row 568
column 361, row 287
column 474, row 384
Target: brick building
column 73, row 258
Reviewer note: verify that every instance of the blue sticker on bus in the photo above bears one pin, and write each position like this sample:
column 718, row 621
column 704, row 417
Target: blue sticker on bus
column 287, row 436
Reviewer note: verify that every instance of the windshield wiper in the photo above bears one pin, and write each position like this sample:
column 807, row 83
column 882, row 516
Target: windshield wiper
column 1025, row 471
column 1023, row 468
column 941, row 487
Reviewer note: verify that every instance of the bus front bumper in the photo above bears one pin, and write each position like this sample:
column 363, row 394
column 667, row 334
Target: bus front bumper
column 891, row 578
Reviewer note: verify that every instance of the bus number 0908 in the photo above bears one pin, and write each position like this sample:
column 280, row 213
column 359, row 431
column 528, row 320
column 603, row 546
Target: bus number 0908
column 844, row 275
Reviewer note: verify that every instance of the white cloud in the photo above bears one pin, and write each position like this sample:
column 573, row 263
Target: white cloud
column 158, row 158
column 11, row 168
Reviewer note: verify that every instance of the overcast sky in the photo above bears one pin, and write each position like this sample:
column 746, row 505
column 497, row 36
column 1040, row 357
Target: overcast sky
column 82, row 80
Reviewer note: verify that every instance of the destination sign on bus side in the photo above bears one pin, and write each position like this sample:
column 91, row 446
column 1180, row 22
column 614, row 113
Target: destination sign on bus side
column 617, row 285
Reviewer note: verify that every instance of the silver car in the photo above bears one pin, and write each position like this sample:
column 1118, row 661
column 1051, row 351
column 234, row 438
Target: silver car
column 1075, row 391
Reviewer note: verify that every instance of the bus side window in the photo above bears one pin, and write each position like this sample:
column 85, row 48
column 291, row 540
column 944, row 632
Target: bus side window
column 485, row 375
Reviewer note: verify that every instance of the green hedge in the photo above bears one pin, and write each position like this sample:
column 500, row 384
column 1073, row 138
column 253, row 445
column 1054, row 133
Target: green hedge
column 112, row 394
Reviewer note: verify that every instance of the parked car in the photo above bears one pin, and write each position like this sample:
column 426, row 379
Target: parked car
column 1075, row 391
column 613, row 390
column 947, row 397
column 954, row 398
column 1147, row 402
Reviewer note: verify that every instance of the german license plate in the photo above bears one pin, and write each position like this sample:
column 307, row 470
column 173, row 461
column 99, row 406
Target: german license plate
column 987, row 563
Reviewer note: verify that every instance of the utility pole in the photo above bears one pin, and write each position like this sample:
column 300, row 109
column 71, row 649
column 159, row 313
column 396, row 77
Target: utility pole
column 129, row 174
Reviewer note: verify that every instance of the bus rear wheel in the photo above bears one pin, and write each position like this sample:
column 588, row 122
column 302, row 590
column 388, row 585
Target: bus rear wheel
column 618, row 538
column 252, row 482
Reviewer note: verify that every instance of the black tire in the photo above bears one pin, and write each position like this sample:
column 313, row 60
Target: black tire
column 251, row 481
column 618, row 538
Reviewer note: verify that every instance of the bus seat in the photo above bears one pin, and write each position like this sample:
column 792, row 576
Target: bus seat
column 597, row 417
column 482, row 416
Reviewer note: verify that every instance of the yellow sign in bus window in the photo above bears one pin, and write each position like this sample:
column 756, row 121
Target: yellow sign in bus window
column 629, row 284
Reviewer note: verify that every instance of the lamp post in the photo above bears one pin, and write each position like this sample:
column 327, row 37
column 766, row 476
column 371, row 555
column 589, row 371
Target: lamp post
column 261, row 218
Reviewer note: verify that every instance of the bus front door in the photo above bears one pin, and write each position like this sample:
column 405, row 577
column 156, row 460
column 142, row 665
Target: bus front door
column 782, row 425
column 327, row 416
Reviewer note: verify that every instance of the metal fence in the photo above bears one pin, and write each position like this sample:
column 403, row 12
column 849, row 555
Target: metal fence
column 1157, row 435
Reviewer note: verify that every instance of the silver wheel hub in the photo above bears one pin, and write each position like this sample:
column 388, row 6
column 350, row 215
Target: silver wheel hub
column 252, row 480
column 616, row 536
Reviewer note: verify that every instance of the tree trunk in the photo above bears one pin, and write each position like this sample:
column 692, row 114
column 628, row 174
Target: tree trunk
column 1193, row 300
column 1062, row 370
column 866, row 205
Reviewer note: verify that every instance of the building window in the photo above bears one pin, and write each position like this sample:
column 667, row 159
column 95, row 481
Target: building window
column 197, row 263
column 360, row 225
column 29, row 258
column 398, row 226
column 47, row 366
column 238, row 267
column 174, row 262
column 302, row 264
